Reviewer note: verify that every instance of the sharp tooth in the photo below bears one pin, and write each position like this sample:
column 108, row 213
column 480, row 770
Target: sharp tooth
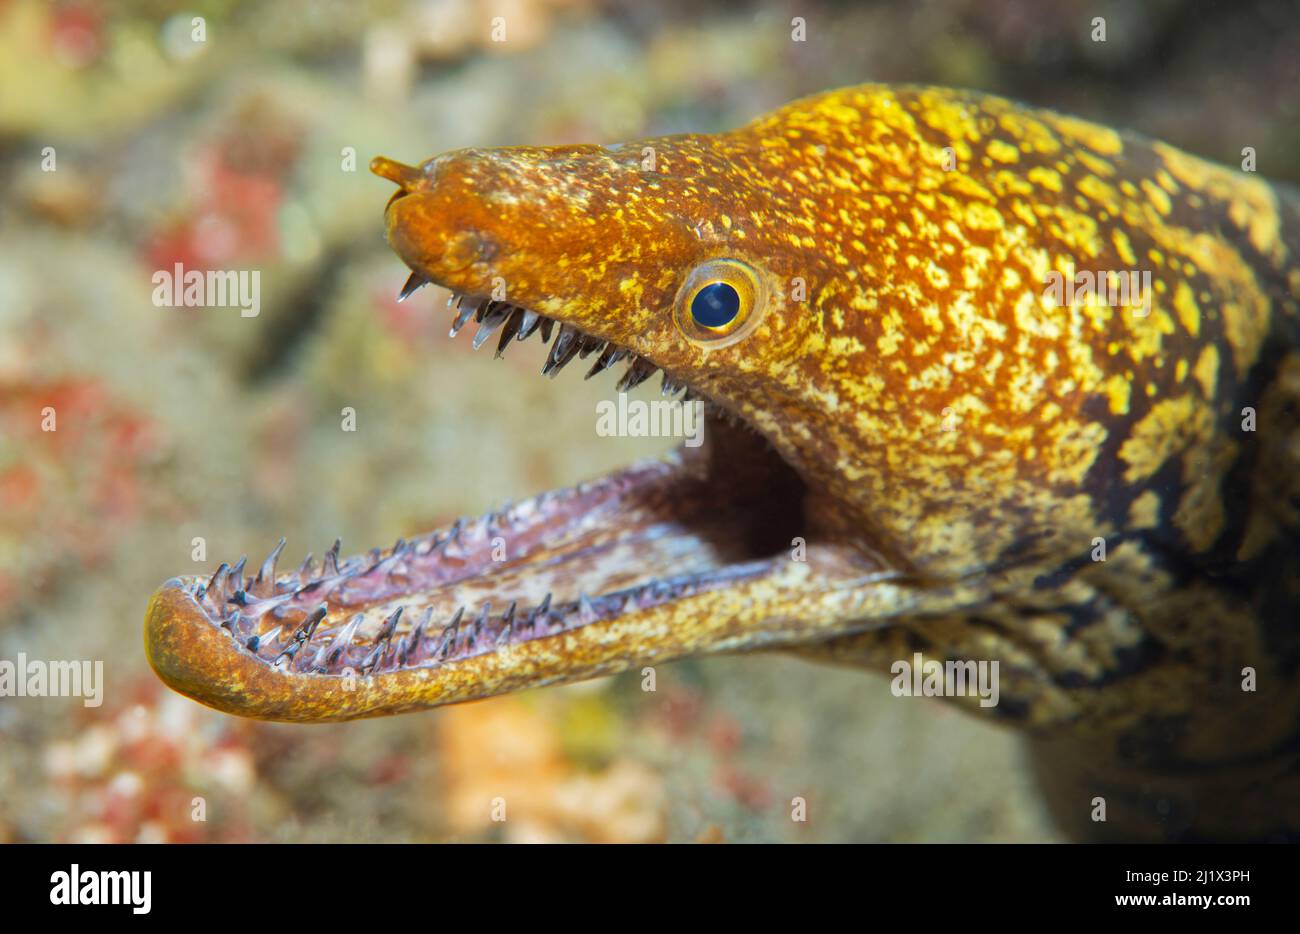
column 264, row 585
column 513, row 323
column 563, row 350
column 547, row 324
column 448, row 640
column 236, row 581
column 508, row 624
column 529, row 324
column 538, row 613
column 411, row 644
column 463, row 312
column 217, row 585
column 492, row 319
column 345, row 635
column 308, row 628
column 373, row 658
column 589, row 345
column 331, row 563
column 343, row 641
column 390, row 625
column 480, row 622
column 608, row 357
column 671, row 387
column 640, row 370
column 413, row 285
column 506, row 632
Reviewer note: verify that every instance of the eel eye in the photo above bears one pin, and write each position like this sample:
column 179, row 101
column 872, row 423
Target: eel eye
column 720, row 302
column 716, row 305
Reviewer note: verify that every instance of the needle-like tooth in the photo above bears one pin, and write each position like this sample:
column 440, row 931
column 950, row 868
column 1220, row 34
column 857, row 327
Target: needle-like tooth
column 480, row 622
column 513, row 324
column 305, row 571
column 340, row 643
column 547, row 324
column 254, row 642
column 344, row 638
column 508, row 625
column 608, row 357
column 264, row 585
column 390, row 625
column 586, row 610
column 449, row 634
column 563, row 350
column 589, row 345
column 371, row 661
column 413, row 285
column 217, row 585
column 496, row 313
column 235, row 582
column 287, row 655
column 529, row 324
column 640, row 370
column 302, row 635
column 671, row 387
column 464, row 312
column 412, row 642
column 330, row 566
column 308, row 628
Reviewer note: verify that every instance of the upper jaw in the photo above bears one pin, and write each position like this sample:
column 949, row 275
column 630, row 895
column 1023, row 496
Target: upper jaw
column 458, row 222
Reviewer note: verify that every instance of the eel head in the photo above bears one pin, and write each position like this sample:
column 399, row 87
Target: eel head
column 820, row 505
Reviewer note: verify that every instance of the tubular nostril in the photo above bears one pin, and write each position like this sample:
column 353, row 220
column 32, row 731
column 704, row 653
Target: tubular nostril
column 407, row 176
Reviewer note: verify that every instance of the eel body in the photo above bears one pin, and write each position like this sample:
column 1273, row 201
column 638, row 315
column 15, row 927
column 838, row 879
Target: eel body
column 938, row 423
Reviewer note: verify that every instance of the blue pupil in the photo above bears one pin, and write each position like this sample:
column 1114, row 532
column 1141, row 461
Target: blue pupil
column 715, row 305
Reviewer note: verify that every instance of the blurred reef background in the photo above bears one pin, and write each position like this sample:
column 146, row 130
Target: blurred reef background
column 179, row 423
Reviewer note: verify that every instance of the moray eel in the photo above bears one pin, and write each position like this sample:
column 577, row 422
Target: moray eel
column 937, row 423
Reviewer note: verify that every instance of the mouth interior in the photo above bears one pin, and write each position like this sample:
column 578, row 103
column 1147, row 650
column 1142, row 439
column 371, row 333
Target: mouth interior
column 656, row 532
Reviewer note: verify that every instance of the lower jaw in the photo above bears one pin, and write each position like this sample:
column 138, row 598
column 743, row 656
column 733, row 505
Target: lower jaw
column 663, row 559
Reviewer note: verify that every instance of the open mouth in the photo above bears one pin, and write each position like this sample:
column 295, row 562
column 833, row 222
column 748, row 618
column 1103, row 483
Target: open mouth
column 709, row 549
column 654, row 533
column 598, row 560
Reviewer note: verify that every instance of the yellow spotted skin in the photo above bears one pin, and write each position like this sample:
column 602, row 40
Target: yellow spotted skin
column 1100, row 490
column 1105, row 483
